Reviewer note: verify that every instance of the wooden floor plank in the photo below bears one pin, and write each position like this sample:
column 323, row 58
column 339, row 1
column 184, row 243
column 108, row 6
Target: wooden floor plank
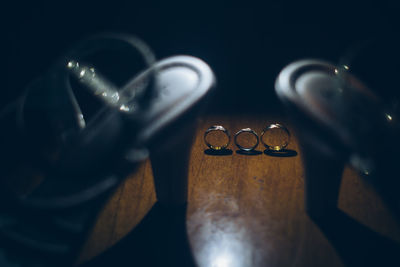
column 243, row 210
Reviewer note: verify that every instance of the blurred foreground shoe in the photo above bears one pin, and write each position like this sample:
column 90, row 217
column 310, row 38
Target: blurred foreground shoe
column 340, row 120
column 74, row 135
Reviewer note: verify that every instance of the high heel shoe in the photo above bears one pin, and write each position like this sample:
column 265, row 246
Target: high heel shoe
column 339, row 120
column 81, row 135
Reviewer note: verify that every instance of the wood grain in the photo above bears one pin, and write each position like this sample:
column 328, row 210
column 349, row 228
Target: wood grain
column 243, row 210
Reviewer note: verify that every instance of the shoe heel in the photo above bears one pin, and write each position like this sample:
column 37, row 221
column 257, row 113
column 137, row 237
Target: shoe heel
column 170, row 167
column 323, row 176
column 181, row 87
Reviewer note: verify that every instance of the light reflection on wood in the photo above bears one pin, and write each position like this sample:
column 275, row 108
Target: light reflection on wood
column 243, row 210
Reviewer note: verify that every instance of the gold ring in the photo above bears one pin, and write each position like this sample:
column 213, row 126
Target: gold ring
column 213, row 129
column 273, row 144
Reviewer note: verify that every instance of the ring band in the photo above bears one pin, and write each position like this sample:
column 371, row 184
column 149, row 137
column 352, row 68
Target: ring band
column 217, row 128
column 246, row 130
column 275, row 147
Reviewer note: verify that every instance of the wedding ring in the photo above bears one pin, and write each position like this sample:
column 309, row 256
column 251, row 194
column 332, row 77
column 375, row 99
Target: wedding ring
column 278, row 139
column 246, row 130
column 217, row 128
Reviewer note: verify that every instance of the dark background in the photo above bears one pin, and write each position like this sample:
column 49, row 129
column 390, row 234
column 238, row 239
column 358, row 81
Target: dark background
column 246, row 43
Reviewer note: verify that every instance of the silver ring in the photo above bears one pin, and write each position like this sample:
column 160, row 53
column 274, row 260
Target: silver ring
column 247, row 130
column 217, row 128
column 275, row 147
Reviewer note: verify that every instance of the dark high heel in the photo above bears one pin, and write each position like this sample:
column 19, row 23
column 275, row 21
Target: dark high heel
column 338, row 119
column 184, row 87
column 87, row 141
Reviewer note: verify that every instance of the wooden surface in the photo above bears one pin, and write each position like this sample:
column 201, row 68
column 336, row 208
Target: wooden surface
column 242, row 211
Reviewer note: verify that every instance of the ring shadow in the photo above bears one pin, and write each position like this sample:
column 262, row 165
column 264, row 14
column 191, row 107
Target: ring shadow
column 249, row 153
column 222, row 152
column 284, row 153
column 160, row 239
